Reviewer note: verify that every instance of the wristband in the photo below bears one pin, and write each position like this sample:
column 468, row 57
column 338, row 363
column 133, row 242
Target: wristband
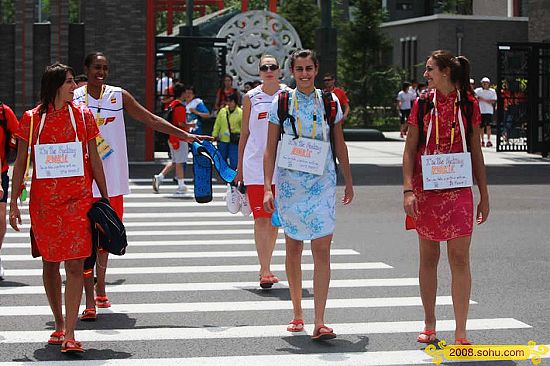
column 407, row 191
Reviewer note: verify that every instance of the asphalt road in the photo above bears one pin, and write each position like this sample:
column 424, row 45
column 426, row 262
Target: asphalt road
column 172, row 309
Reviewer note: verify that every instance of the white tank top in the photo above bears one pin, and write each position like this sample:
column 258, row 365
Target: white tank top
column 113, row 130
column 260, row 104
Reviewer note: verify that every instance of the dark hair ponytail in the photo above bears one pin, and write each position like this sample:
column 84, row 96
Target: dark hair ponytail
column 463, row 76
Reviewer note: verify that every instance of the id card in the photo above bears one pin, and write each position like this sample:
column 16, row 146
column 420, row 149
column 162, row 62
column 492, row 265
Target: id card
column 304, row 155
column 444, row 171
column 59, row 160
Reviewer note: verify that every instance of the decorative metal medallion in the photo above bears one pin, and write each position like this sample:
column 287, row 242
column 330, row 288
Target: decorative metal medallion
column 253, row 34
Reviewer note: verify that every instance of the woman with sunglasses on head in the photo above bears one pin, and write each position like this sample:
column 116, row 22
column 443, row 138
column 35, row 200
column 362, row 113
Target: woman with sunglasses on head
column 256, row 105
column 306, row 200
column 451, row 126
column 59, row 199
column 108, row 104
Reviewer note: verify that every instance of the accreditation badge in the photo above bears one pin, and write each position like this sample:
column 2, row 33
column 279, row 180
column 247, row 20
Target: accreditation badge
column 445, row 171
column 303, row 154
column 59, row 160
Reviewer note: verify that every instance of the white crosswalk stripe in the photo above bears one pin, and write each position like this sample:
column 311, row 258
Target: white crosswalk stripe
column 199, row 261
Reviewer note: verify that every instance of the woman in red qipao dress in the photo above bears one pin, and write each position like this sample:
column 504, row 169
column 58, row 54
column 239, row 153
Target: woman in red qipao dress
column 58, row 206
column 445, row 214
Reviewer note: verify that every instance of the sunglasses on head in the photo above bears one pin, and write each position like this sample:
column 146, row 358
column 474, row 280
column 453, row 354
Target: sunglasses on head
column 271, row 67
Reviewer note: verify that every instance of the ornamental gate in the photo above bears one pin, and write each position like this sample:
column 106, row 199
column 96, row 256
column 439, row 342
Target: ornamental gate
column 523, row 113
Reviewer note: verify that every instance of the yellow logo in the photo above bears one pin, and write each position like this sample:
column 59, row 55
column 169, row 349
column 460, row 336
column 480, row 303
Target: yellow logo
column 512, row 352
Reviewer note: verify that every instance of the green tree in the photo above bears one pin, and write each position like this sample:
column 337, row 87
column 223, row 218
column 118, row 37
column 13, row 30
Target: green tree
column 7, row 11
column 305, row 17
column 369, row 80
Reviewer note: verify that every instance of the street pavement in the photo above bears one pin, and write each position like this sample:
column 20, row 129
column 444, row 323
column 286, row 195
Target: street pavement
column 186, row 292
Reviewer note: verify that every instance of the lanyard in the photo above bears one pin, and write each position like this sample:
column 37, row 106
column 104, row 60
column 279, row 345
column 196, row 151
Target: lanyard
column 295, row 107
column 41, row 126
column 98, row 101
column 461, row 125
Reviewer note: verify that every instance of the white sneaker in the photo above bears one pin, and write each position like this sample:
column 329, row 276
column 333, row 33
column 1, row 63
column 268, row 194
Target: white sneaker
column 1, row 270
column 181, row 191
column 156, row 183
column 246, row 210
column 233, row 199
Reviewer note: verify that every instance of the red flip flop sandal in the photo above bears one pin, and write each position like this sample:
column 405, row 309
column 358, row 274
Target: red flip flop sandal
column 267, row 281
column 89, row 314
column 57, row 337
column 295, row 325
column 323, row 333
column 71, row 346
column 462, row 342
column 426, row 336
column 102, row 302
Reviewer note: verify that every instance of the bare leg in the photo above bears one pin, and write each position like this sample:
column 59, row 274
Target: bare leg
column 294, row 274
column 52, row 284
column 2, row 222
column 101, row 269
column 427, row 274
column 488, row 133
column 73, row 294
column 321, row 276
column 167, row 169
column 265, row 236
column 179, row 170
column 458, row 251
column 89, row 292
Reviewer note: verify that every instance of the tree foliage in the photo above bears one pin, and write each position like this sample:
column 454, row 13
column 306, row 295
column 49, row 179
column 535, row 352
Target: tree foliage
column 368, row 79
column 305, row 17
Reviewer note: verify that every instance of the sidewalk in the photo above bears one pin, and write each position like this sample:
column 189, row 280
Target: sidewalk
column 390, row 153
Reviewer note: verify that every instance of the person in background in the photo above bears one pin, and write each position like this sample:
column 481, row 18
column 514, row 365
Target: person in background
column 403, row 102
column 256, row 106
column 227, row 130
column 58, row 207
column 225, row 91
column 444, row 215
column 306, row 202
column 329, row 82
column 80, row 80
column 487, row 97
column 196, row 110
column 9, row 126
column 179, row 150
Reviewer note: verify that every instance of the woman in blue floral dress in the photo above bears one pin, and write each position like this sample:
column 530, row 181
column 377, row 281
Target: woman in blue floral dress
column 306, row 201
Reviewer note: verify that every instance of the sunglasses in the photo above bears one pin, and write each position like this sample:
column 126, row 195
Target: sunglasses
column 271, row 67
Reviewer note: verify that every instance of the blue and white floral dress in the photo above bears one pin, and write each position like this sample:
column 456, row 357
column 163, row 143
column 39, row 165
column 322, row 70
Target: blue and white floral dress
column 306, row 202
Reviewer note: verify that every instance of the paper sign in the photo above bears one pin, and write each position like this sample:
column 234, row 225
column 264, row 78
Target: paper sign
column 59, row 160
column 304, row 155
column 444, row 171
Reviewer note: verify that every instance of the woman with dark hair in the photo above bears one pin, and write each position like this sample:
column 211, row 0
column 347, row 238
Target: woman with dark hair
column 306, row 200
column 108, row 104
column 256, row 105
column 450, row 126
column 225, row 91
column 60, row 198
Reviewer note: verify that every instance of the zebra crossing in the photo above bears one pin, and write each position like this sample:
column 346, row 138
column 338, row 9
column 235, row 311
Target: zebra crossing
column 186, row 292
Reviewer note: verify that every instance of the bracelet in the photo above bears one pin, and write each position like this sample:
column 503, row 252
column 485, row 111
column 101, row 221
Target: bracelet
column 407, row 191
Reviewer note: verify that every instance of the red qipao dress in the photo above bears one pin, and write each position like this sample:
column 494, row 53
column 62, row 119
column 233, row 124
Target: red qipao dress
column 449, row 213
column 58, row 206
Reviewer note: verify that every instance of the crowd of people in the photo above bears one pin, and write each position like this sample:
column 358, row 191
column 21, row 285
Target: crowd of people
column 258, row 139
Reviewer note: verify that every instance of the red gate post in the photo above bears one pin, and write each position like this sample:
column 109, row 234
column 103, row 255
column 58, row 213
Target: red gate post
column 150, row 77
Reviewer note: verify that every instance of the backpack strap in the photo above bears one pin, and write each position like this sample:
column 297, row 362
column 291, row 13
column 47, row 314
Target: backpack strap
column 424, row 107
column 282, row 112
column 331, row 108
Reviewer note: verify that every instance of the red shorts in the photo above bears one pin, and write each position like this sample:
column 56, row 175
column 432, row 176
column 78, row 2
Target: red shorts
column 255, row 194
column 117, row 203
